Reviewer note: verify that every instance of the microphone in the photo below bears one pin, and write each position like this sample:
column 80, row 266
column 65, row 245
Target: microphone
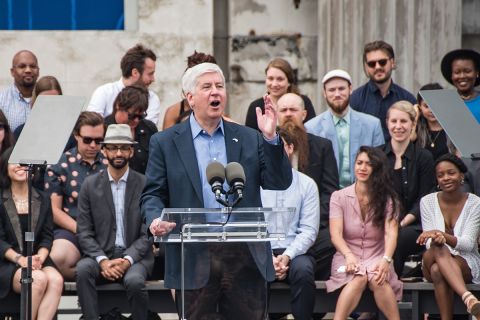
column 215, row 177
column 236, row 180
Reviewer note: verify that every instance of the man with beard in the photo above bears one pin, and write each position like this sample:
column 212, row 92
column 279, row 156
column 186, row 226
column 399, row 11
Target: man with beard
column 379, row 93
column 346, row 128
column 138, row 67
column 321, row 166
column 15, row 99
column 110, row 228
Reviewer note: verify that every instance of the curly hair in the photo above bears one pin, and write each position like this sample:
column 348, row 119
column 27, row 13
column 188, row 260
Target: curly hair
column 380, row 186
column 453, row 159
column 199, row 57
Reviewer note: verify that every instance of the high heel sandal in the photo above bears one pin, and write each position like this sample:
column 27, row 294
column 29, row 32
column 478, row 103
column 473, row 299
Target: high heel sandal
column 472, row 303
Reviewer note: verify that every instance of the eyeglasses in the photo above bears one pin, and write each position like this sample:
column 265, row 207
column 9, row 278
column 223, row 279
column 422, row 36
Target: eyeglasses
column 381, row 62
column 89, row 140
column 122, row 148
column 133, row 116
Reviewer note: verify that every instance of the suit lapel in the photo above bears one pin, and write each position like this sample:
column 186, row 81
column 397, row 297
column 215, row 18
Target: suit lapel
column 36, row 204
column 186, row 151
column 331, row 133
column 107, row 190
column 355, row 135
column 129, row 192
column 233, row 143
column 13, row 216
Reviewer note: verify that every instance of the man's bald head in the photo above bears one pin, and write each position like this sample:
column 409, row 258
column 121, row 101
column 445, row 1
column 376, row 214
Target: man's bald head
column 25, row 71
column 290, row 107
column 23, row 53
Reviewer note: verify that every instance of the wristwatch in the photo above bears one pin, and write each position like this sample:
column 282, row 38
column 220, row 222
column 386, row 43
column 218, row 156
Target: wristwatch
column 388, row 259
column 17, row 257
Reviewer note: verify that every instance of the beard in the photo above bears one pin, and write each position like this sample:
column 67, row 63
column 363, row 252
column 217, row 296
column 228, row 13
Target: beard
column 118, row 162
column 337, row 106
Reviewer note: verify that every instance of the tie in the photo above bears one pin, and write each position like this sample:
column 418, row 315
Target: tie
column 343, row 152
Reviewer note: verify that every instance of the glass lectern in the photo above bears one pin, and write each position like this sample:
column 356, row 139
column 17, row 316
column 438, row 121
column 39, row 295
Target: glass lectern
column 220, row 227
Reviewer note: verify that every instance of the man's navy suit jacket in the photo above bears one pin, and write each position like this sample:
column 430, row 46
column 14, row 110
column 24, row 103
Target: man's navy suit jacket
column 173, row 181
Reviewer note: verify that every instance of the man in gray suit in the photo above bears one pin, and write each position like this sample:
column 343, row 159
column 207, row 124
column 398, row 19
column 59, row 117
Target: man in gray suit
column 110, row 229
column 346, row 128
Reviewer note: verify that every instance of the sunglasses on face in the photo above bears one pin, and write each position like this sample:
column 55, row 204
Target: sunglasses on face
column 89, row 140
column 2, row 126
column 122, row 148
column 381, row 62
column 133, row 116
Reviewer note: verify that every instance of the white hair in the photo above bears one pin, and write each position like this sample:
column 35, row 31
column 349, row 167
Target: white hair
column 190, row 77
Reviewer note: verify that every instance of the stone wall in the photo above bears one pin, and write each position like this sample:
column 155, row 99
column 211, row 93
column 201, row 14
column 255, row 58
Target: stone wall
column 83, row 60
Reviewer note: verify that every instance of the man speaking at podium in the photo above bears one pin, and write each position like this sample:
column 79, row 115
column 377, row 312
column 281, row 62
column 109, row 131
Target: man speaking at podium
column 228, row 278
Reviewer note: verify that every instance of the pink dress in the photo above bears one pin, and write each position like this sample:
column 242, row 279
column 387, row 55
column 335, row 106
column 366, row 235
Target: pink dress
column 365, row 240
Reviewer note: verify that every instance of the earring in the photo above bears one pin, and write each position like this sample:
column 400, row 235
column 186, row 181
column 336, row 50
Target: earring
column 463, row 181
column 438, row 187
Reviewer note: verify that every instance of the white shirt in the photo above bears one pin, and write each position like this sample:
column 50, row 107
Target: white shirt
column 466, row 229
column 104, row 96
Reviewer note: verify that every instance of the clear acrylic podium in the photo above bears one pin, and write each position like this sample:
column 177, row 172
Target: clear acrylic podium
column 221, row 225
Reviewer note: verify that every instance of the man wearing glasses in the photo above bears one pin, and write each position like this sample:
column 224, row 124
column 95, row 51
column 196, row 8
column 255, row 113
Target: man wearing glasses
column 379, row 93
column 113, row 240
column 63, row 182
column 15, row 99
column 130, row 107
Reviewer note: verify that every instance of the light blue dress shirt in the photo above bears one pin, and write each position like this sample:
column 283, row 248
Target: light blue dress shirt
column 301, row 228
column 208, row 148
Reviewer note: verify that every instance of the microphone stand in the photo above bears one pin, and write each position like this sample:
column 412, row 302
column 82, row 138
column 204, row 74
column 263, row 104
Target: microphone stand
column 26, row 279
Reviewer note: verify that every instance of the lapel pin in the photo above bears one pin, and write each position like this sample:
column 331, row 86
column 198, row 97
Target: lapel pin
column 235, row 139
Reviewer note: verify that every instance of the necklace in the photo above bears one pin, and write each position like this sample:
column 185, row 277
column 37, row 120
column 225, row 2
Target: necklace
column 432, row 141
column 21, row 204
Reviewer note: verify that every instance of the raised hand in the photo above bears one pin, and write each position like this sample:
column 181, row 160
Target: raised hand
column 267, row 122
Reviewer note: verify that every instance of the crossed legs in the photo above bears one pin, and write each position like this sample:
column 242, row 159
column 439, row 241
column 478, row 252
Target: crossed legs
column 448, row 274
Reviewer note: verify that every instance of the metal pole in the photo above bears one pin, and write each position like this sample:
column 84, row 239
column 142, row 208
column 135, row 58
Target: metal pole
column 26, row 280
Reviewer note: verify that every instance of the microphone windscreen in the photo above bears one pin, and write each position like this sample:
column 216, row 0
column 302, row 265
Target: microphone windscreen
column 215, row 172
column 235, row 173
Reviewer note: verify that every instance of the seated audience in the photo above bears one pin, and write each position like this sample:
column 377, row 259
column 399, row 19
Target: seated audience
column 47, row 282
column 413, row 177
column 280, row 79
column 110, row 228
column 363, row 226
column 181, row 110
column 429, row 132
column 138, row 67
column 451, row 226
column 130, row 108
column 15, row 99
column 290, row 258
column 461, row 68
column 63, row 182
column 318, row 162
column 6, row 137
column 346, row 128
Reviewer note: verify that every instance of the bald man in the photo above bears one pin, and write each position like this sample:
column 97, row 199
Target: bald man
column 322, row 168
column 15, row 99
